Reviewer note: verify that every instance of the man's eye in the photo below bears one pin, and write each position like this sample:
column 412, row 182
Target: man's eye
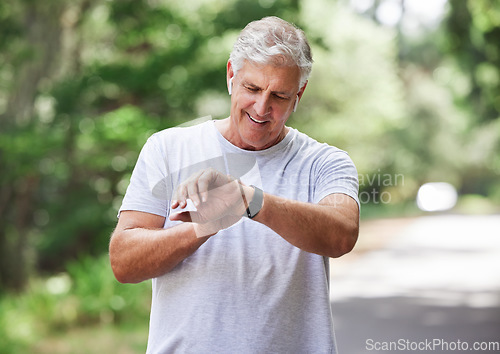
column 281, row 97
column 252, row 89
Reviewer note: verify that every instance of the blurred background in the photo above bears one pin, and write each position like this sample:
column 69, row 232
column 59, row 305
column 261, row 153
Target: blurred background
column 410, row 88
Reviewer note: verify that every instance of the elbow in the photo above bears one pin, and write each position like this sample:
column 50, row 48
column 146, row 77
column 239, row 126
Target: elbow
column 123, row 279
column 118, row 270
column 120, row 277
column 120, row 274
column 118, row 262
column 346, row 243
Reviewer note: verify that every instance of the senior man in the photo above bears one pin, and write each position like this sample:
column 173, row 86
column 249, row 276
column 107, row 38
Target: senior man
column 234, row 220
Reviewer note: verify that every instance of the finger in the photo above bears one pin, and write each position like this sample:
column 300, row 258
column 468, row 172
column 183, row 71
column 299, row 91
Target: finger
column 203, row 185
column 186, row 189
column 184, row 216
column 221, row 179
column 181, row 196
column 192, row 191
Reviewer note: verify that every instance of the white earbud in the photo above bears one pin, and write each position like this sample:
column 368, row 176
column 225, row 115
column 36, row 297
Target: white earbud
column 296, row 103
column 230, row 87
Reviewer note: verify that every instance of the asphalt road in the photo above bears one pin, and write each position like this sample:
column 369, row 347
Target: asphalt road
column 430, row 284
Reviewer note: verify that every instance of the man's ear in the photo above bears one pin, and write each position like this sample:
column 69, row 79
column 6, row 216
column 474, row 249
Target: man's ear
column 299, row 96
column 229, row 77
column 302, row 89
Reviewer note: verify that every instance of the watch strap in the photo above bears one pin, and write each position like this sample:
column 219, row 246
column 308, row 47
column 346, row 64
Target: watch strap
column 256, row 203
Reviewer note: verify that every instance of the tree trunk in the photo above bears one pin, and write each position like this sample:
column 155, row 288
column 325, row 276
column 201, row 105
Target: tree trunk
column 42, row 37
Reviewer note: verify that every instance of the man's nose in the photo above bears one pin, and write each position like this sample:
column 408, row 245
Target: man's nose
column 262, row 105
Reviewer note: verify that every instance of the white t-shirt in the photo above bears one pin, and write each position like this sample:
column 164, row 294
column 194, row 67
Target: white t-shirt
column 245, row 290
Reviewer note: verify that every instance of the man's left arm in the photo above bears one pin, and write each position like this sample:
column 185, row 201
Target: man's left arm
column 329, row 228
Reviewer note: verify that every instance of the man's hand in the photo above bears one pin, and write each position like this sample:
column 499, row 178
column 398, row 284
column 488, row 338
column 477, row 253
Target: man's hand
column 218, row 200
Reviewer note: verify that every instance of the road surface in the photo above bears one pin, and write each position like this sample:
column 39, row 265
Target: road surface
column 430, row 284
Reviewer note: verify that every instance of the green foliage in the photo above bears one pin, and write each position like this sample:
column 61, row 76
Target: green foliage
column 86, row 295
column 102, row 298
column 421, row 106
column 473, row 37
column 473, row 34
column 354, row 84
column 476, row 204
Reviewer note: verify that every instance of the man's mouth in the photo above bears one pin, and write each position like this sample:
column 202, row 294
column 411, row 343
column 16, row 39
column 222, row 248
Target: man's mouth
column 256, row 120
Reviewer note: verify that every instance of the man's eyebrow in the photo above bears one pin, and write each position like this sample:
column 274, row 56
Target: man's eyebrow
column 246, row 83
column 282, row 93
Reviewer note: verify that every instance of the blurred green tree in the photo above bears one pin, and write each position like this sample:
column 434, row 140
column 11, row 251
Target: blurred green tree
column 473, row 43
column 473, row 37
column 449, row 70
column 29, row 49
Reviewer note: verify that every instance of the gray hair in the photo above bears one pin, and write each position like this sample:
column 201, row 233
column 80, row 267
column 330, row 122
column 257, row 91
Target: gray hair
column 272, row 40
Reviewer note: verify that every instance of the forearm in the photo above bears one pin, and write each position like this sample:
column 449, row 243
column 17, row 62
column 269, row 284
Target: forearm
column 327, row 230
column 137, row 254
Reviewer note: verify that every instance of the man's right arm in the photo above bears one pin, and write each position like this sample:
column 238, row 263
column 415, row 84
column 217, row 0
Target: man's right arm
column 141, row 249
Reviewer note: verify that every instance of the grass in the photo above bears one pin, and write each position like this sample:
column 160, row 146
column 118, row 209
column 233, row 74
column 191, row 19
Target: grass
column 83, row 310
column 119, row 339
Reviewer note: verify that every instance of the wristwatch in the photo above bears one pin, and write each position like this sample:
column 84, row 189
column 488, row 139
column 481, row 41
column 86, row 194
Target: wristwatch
column 255, row 204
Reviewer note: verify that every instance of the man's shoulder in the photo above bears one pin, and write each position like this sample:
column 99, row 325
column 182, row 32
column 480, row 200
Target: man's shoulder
column 305, row 141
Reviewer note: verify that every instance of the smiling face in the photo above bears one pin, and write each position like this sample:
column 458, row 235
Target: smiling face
column 263, row 97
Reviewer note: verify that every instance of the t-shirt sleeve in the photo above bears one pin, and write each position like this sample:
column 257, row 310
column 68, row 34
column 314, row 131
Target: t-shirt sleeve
column 337, row 174
column 149, row 173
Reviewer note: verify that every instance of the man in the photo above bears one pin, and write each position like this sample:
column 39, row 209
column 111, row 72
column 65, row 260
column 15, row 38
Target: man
column 235, row 219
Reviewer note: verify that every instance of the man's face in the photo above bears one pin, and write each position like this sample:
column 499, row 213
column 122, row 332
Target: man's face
column 262, row 99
